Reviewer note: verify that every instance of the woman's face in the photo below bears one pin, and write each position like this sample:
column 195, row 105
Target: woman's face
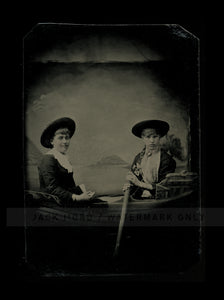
column 151, row 138
column 61, row 140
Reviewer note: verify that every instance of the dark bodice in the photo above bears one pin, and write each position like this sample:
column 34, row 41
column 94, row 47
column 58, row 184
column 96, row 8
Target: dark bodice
column 56, row 180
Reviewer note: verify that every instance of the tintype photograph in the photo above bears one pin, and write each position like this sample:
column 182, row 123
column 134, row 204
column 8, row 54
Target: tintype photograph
column 111, row 151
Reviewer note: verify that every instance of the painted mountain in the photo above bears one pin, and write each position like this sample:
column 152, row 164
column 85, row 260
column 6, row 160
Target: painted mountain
column 112, row 160
column 105, row 177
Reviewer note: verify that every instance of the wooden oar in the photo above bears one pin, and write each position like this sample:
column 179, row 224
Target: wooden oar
column 122, row 219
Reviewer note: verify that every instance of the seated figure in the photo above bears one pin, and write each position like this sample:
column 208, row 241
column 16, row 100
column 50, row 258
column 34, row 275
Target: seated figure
column 152, row 164
column 55, row 170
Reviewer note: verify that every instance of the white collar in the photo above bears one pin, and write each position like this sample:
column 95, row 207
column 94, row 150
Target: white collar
column 62, row 159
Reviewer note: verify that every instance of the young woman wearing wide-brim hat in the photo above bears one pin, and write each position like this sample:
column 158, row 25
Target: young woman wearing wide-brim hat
column 55, row 170
column 152, row 164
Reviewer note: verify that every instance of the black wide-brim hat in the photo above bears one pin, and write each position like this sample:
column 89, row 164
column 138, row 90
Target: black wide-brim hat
column 161, row 127
column 49, row 131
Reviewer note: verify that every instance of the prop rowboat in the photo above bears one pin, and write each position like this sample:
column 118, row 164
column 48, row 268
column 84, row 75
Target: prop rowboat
column 176, row 191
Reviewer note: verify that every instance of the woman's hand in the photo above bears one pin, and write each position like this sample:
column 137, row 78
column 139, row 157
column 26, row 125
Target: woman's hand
column 126, row 186
column 133, row 179
column 83, row 197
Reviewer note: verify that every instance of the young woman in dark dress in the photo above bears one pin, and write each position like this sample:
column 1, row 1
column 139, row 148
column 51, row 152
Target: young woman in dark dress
column 55, row 170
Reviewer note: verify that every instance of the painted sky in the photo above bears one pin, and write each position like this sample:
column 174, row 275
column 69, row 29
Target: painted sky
column 105, row 102
column 100, row 77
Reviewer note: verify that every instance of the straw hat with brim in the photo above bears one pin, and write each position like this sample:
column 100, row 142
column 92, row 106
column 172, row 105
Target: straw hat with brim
column 161, row 127
column 49, row 131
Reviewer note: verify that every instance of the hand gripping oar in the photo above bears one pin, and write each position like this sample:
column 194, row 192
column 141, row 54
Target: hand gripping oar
column 122, row 219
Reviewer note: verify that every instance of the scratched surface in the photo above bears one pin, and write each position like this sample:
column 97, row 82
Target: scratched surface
column 108, row 79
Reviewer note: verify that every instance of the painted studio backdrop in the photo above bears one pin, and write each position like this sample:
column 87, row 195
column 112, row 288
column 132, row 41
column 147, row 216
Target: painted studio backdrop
column 108, row 78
